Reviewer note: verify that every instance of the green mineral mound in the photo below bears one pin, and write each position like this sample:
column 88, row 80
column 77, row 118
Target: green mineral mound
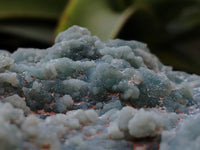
column 82, row 91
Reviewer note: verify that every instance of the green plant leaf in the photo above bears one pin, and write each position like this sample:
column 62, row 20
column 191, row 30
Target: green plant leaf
column 97, row 16
column 31, row 8
column 32, row 20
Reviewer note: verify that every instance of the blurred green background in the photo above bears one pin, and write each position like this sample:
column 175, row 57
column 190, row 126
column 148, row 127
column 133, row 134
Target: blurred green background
column 171, row 28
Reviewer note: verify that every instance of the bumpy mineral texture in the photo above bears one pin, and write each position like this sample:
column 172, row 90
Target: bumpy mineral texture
column 85, row 94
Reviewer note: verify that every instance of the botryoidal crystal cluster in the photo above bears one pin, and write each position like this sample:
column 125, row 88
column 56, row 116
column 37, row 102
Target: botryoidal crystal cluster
column 85, row 94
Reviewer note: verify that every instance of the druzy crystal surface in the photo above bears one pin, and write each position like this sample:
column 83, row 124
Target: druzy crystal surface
column 85, row 94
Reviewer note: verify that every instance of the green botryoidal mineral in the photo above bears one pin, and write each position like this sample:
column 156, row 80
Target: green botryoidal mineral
column 92, row 82
column 80, row 65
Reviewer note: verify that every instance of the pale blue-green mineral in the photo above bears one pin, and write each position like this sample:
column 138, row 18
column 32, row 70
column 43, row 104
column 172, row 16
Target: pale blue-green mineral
column 85, row 94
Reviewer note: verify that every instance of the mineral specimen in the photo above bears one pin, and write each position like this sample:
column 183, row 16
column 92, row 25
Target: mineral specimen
column 85, row 94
